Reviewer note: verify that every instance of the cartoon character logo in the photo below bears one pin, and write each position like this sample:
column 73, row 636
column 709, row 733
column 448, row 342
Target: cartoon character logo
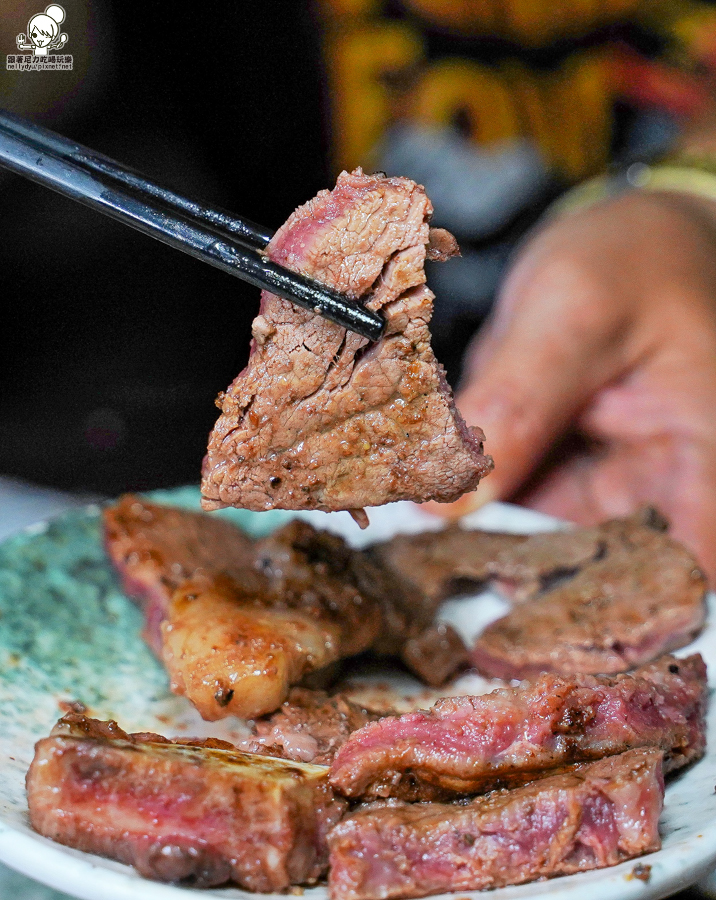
column 43, row 31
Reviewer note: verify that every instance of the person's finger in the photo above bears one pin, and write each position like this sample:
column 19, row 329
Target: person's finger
column 551, row 346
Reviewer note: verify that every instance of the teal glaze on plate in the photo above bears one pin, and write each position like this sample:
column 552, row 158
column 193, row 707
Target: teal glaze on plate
column 67, row 632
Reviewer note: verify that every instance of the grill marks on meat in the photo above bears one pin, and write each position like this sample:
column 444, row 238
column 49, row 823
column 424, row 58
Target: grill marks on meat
column 471, row 744
column 644, row 597
column 310, row 726
column 319, row 419
column 595, row 815
column 182, row 813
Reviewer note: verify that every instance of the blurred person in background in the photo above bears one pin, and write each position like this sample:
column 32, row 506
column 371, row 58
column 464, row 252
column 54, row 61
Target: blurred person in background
column 593, row 371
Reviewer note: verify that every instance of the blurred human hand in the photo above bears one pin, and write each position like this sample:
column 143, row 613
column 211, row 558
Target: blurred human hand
column 605, row 329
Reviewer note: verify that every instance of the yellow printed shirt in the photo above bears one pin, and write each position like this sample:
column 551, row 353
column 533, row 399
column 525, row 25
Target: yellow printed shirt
column 497, row 106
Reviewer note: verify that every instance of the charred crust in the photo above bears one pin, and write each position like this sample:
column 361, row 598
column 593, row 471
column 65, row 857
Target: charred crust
column 224, row 696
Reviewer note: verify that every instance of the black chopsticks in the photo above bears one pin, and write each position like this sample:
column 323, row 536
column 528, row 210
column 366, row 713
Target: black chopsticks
column 227, row 242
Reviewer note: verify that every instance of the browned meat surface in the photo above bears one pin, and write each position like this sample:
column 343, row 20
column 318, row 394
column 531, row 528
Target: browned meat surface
column 310, row 726
column 471, row 744
column 456, row 560
column 596, row 815
column 155, row 547
column 234, row 651
column 319, row 419
column 182, row 813
column 645, row 597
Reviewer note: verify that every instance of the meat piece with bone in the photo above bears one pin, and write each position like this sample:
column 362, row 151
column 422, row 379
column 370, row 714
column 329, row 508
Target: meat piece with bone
column 644, row 597
column 182, row 813
column 595, row 815
column 472, row 744
column 319, row 419
column 345, row 601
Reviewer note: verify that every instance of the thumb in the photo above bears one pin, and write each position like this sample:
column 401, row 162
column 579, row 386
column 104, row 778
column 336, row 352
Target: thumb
column 555, row 340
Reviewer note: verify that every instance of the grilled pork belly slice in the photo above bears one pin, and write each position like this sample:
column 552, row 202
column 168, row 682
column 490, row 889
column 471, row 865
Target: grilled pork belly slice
column 596, row 815
column 472, row 744
column 182, row 813
column 319, row 419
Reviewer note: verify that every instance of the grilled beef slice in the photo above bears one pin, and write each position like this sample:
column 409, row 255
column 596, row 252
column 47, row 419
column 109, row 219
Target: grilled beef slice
column 472, row 744
column 645, row 596
column 458, row 560
column 182, row 813
column 596, row 815
column 320, row 419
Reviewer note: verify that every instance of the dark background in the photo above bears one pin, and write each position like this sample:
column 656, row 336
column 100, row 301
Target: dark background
column 113, row 347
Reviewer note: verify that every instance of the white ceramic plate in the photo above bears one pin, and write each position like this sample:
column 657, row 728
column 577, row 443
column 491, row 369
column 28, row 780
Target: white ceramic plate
column 68, row 633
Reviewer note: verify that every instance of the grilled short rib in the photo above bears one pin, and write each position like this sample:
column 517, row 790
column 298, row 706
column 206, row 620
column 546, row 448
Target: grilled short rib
column 181, row 812
column 155, row 547
column 595, row 815
column 319, row 419
column 645, row 596
column 326, row 599
column 472, row 744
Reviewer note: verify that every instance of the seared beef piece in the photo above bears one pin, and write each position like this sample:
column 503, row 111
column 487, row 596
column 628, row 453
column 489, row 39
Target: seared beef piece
column 472, row 744
column 155, row 547
column 458, row 560
column 310, row 726
column 596, row 815
column 182, row 813
column 645, row 597
column 321, row 420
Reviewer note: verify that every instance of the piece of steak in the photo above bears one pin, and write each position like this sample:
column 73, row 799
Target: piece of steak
column 473, row 744
column 645, row 597
column 155, row 547
column 310, row 726
column 458, row 560
column 182, row 813
column 320, row 420
column 596, row 815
